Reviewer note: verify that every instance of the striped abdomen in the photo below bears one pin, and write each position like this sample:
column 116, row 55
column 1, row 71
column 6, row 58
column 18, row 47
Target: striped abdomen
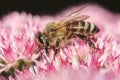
column 83, row 27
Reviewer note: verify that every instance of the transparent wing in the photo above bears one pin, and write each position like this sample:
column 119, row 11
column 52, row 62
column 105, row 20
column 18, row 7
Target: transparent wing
column 79, row 18
column 71, row 17
column 73, row 14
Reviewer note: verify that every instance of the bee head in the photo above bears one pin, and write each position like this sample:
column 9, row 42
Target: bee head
column 40, row 38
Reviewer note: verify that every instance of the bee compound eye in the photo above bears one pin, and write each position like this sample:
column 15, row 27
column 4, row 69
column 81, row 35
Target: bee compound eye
column 40, row 38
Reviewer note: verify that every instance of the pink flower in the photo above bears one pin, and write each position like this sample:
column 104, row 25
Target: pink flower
column 21, row 60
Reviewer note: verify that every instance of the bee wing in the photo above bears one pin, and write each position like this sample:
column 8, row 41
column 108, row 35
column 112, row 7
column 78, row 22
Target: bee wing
column 73, row 14
column 79, row 18
column 68, row 18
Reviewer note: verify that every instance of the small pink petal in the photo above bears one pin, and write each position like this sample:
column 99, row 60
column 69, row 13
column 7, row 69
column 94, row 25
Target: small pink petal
column 9, row 54
column 29, row 49
column 25, row 75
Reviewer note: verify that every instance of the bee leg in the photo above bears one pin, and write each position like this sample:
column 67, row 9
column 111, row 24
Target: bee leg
column 91, row 44
column 46, row 50
column 71, row 35
column 56, row 48
column 83, row 37
column 46, row 46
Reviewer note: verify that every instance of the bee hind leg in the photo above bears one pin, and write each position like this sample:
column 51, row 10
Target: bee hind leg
column 91, row 44
column 83, row 37
column 56, row 48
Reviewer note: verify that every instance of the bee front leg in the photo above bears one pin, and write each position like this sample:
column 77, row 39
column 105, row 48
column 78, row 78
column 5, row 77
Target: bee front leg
column 46, row 50
column 46, row 46
column 56, row 48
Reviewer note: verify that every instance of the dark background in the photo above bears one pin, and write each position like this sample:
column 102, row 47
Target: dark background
column 51, row 6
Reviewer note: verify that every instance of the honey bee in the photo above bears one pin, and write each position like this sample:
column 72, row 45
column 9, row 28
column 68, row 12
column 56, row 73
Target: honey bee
column 56, row 34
